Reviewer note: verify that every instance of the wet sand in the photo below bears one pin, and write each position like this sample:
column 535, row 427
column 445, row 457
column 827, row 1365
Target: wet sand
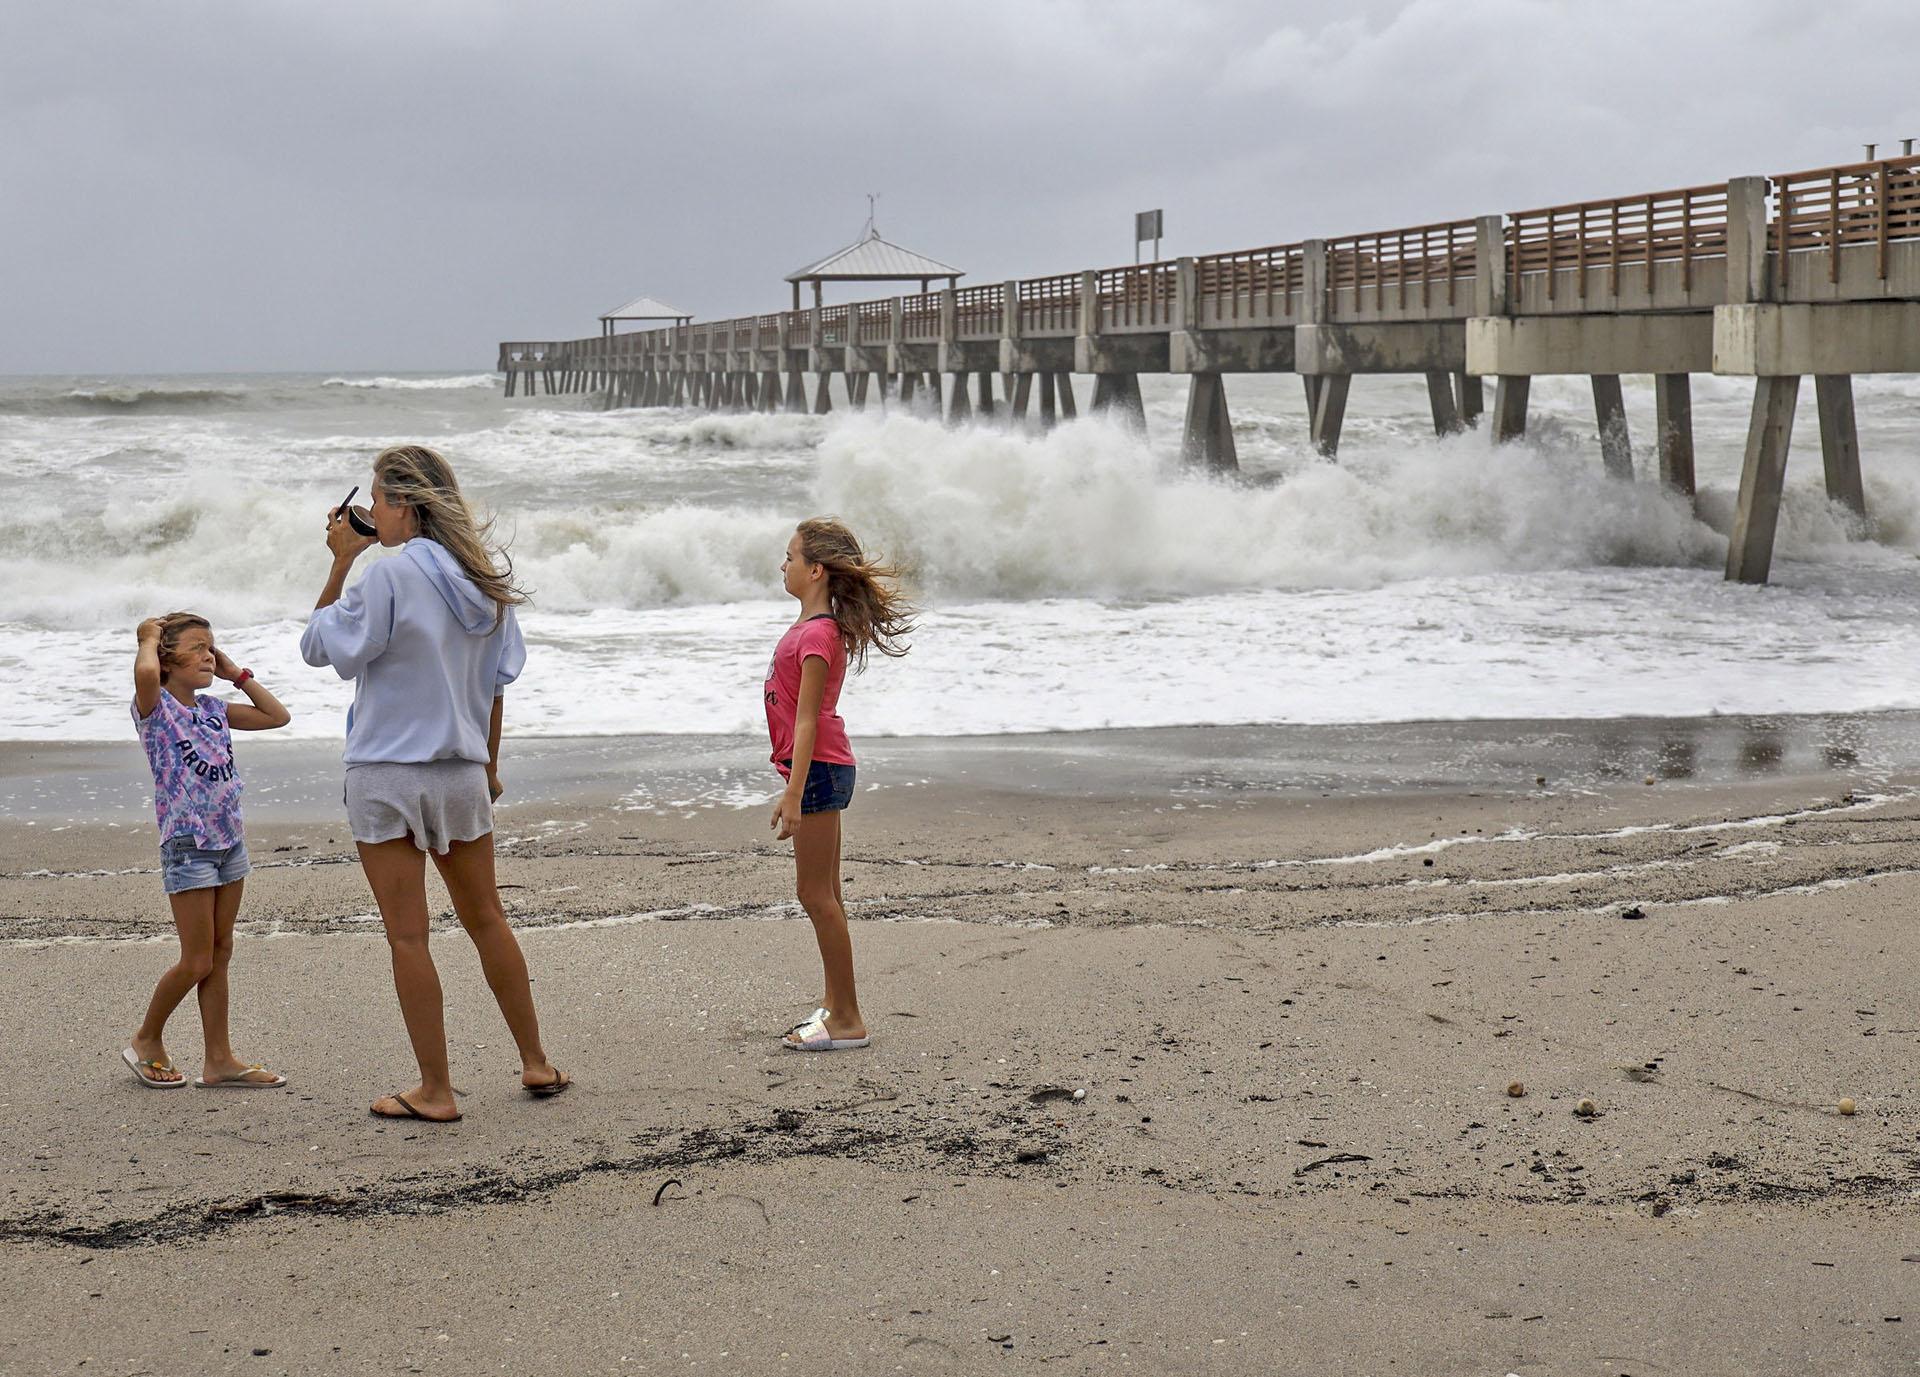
column 1294, row 973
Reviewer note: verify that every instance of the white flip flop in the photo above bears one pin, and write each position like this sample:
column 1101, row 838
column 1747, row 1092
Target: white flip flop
column 818, row 1013
column 140, row 1069
column 813, row 1037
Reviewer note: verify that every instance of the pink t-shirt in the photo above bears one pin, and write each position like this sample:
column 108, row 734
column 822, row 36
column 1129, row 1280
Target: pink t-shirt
column 818, row 635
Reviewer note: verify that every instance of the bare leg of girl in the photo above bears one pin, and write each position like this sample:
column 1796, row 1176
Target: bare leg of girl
column 398, row 875
column 816, row 856
column 838, row 898
column 220, row 1064
column 193, row 920
column 467, row 869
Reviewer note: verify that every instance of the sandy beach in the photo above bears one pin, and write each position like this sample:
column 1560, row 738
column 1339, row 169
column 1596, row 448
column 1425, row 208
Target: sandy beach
column 1293, row 972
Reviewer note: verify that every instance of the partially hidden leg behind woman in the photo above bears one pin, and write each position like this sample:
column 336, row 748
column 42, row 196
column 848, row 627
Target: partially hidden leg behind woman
column 396, row 871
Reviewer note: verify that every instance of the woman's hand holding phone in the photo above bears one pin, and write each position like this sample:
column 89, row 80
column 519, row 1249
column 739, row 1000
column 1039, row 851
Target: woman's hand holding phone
column 345, row 542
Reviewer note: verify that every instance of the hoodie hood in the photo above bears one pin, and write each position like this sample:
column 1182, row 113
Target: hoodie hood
column 473, row 609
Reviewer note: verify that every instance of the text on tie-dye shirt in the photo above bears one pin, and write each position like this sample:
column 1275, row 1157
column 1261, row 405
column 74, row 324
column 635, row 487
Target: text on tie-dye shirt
column 196, row 790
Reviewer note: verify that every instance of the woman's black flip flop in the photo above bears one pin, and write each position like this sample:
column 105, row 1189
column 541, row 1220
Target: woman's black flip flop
column 551, row 1088
column 411, row 1113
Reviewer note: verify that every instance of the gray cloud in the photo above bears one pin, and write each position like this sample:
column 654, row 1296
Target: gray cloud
column 364, row 185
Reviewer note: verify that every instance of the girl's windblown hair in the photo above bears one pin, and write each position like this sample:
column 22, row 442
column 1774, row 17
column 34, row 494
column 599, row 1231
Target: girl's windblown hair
column 174, row 625
column 417, row 477
column 864, row 598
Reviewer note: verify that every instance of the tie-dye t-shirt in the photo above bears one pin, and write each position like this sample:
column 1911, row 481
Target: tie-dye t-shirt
column 196, row 790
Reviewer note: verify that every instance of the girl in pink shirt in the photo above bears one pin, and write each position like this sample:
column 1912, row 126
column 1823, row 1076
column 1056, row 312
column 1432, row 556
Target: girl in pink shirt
column 848, row 604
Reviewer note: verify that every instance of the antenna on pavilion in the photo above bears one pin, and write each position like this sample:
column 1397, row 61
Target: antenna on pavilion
column 872, row 230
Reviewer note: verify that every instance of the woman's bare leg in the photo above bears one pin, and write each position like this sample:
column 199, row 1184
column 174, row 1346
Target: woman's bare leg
column 398, row 875
column 468, row 871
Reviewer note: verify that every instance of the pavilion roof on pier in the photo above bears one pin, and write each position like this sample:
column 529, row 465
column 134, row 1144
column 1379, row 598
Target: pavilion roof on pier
column 647, row 308
column 873, row 259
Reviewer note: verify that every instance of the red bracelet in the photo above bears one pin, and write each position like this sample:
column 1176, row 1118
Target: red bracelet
column 242, row 677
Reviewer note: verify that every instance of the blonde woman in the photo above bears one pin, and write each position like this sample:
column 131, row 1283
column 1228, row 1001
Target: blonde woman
column 431, row 641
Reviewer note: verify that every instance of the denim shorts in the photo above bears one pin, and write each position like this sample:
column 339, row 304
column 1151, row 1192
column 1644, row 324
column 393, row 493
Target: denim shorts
column 184, row 866
column 829, row 788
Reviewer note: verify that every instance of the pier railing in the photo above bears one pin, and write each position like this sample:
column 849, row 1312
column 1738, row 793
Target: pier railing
column 1135, row 298
column 1050, row 305
column 1841, row 223
column 1663, row 249
column 1423, row 273
column 1250, row 287
column 876, row 323
column 1849, row 232
column 979, row 312
column 920, row 319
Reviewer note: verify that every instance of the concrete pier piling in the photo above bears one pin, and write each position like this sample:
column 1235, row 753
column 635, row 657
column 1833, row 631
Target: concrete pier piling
column 1813, row 273
column 1840, row 440
column 1673, row 424
column 1510, row 407
column 1208, row 439
column 1610, row 418
column 1468, row 398
column 1762, row 474
column 1440, row 399
column 959, row 409
column 1329, row 413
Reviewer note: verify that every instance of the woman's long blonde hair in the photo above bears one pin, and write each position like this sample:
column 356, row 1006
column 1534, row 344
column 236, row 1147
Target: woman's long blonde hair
column 417, row 477
column 870, row 609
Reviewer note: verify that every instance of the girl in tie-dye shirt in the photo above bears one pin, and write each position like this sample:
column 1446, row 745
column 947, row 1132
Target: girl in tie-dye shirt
column 203, row 858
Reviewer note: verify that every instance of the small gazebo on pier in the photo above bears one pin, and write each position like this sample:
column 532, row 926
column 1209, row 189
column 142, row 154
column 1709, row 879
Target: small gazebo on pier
column 873, row 259
column 643, row 308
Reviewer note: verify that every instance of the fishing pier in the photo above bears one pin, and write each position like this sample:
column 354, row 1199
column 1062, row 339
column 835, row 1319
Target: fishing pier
column 1813, row 273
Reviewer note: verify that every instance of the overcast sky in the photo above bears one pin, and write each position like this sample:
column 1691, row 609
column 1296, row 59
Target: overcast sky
column 362, row 184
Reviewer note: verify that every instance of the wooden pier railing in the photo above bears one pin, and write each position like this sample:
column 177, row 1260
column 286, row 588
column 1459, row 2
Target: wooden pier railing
column 1818, row 214
column 1568, row 245
column 979, row 312
column 1426, row 271
column 1050, row 305
column 1135, row 298
column 1250, row 287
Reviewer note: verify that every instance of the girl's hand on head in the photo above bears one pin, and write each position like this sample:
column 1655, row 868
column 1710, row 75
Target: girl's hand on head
column 786, row 817
column 148, row 630
column 345, row 542
column 223, row 668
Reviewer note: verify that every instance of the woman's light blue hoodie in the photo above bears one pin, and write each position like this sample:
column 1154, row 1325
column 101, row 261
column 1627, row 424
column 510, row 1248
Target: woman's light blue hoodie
column 419, row 639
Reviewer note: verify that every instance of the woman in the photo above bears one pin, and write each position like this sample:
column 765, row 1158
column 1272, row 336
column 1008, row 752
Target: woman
column 431, row 641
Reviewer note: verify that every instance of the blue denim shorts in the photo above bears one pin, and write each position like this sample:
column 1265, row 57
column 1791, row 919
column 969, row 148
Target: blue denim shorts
column 184, row 866
column 829, row 788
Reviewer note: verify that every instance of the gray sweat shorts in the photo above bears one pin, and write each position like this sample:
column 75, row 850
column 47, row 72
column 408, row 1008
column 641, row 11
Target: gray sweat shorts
column 437, row 802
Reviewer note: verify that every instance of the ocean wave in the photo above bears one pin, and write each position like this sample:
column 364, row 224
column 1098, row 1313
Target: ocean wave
column 417, row 384
column 1092, row 510
column 123, row 398
column 620, row 521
